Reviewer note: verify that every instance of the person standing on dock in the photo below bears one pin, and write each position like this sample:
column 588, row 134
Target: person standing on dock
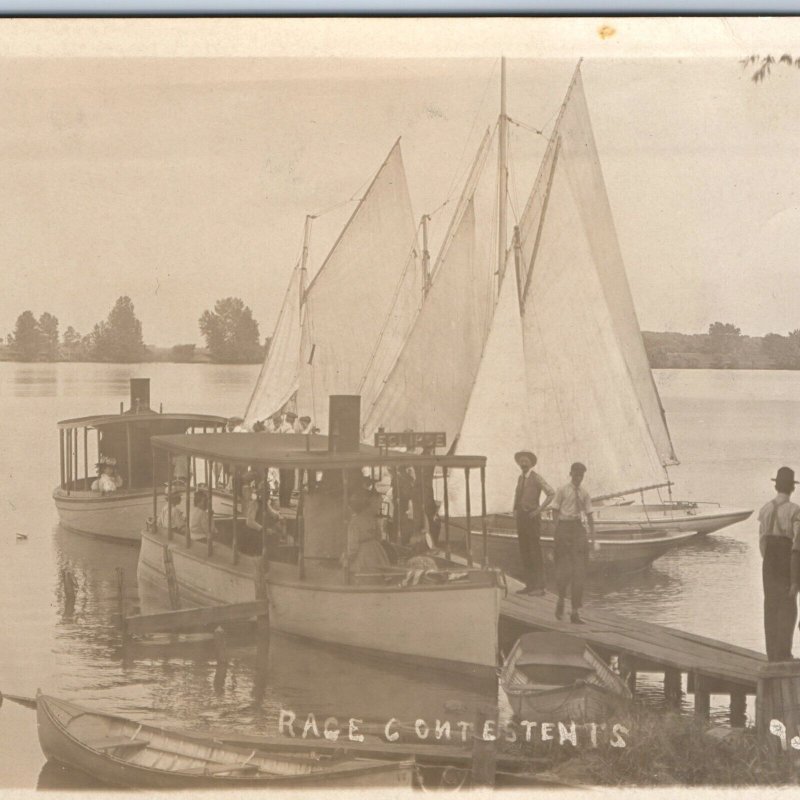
column 779, row 542
column 571, row 502
column 528, row 515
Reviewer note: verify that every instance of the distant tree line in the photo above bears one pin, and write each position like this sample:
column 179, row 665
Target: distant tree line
column 230, row 332
column 723, row 347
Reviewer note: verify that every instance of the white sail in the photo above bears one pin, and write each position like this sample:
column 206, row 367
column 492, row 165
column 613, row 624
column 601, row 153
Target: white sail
column 496, row 420
column 430, row 383
column 370, row 275
column 581, row 164
column 277, row 381
column 584, row 402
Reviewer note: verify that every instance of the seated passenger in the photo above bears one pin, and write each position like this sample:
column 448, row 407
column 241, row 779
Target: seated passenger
column 172, row 511
column 255, row 510
column 364, row 549
column 199, row 528
column 107, row 478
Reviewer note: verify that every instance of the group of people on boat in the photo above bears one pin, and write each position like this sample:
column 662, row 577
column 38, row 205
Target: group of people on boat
column 571, row 507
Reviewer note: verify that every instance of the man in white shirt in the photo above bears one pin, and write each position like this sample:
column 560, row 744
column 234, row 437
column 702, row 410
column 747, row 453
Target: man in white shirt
column 571, row 502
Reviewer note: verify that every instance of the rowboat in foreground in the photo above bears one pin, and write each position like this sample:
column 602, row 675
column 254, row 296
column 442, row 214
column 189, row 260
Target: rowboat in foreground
column 122, row 443
column 125, row 753
column 318, row 584
column 555, row 677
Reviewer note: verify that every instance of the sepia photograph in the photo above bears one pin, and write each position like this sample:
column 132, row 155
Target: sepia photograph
column 399, row 404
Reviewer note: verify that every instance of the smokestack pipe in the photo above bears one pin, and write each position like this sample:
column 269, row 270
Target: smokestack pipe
column 344, row 423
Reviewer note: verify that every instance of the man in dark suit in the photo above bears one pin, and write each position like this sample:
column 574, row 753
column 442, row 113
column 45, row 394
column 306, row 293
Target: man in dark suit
column 528, row 507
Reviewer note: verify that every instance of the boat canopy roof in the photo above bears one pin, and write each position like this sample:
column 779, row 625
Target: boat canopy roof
column 101, row 420
column 298, row 451
column 551, row 649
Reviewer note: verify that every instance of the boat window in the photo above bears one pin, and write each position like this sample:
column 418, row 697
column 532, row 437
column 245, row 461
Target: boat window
column 554, row 674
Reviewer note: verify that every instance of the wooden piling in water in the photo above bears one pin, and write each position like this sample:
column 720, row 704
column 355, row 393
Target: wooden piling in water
column 778, row 707
column 672, row 686
column 121, row 610
column 738, row 717
column 627, row 669
column 702, row 697
column 221, row 650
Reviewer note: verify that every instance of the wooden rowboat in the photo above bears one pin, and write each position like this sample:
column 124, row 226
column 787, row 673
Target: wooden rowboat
column 121, row 752
column 554, row 677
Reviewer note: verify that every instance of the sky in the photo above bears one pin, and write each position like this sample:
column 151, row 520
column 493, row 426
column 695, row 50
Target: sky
column 179, row 181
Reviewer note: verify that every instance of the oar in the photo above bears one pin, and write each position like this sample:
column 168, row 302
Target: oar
column 28, row 702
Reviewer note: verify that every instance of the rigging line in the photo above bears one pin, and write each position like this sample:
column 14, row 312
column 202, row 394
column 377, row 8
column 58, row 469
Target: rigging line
column 472, row 128
column 531, row 128
column 409, row 260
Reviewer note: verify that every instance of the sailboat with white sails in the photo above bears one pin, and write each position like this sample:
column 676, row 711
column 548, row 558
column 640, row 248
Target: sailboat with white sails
column 535, row 344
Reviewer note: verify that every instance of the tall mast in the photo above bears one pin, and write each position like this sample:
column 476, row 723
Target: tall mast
column 426, row 257
column 502, row 177
column 304, row 259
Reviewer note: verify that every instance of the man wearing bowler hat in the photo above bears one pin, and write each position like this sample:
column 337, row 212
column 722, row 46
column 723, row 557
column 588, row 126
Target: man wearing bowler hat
column 779, row 541
column 528, row 514
column 572, row 502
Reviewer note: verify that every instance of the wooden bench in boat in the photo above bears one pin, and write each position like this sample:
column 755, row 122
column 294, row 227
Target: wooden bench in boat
column 219, row 769
column 120, row 741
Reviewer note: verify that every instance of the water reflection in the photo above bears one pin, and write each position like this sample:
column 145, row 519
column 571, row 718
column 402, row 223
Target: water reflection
column 55, row 776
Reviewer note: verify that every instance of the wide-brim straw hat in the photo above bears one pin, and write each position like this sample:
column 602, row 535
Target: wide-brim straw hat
column 785, row 475
column 521, row 453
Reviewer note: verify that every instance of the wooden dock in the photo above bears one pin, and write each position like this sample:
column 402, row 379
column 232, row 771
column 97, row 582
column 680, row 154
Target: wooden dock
column 711, row 666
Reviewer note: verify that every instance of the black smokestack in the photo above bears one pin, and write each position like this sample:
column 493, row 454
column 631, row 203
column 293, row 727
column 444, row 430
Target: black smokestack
column 344, row 423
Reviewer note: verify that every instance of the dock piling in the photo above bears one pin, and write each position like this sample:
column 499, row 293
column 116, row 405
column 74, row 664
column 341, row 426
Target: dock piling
column 221, row 650
column 702, row 696
column 121, row 610
column 672, row 686
column 627, row 669
column 778, row 707
column 738, row 716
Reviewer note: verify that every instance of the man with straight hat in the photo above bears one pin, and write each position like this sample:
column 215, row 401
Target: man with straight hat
column 779, row 542
column 571, row 503
column 528, row 507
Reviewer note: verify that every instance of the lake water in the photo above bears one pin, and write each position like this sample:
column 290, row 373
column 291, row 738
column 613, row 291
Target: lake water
column 731, row 430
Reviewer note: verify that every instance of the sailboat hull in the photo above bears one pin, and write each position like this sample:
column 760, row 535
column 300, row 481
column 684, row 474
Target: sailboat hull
column 451, row 625
column 630, row 537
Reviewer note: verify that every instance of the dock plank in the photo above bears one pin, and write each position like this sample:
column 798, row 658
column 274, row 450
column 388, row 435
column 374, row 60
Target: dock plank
column 657, row 644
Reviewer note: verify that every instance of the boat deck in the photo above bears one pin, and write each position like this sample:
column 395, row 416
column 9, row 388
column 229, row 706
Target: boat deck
column 712, row 666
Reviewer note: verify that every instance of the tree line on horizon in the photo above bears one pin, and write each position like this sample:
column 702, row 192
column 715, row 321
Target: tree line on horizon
column 723, row 347
column 230, row 332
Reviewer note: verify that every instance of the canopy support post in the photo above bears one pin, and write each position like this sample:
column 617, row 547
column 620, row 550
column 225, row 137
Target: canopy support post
column 61, row 457
column 155, row 494
column 345, row 493
column 468, row 540
column 86, row 459
column 446, row 515
column 484, row 530
column 130, row 455
column 169, row 494
column 69, row 459
column 75, row 456
column 189, row 472
column 210, row 480
column 300, row 523
column 236, row 488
